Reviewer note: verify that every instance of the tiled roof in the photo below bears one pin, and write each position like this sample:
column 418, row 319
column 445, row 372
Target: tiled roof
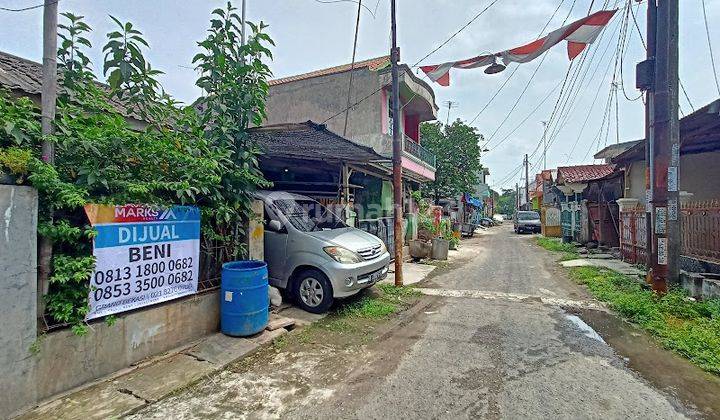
column 374, row 64
column 583, row 173
column 310, row 140
column 20, row 74
column 25, row 77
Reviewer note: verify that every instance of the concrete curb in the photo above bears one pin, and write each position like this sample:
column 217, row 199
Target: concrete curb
column 130, row 391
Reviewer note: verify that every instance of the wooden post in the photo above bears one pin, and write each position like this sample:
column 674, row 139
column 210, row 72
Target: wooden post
column 397, row 150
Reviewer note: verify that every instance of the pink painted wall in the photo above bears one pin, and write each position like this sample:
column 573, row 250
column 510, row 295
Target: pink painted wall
column 411, row 165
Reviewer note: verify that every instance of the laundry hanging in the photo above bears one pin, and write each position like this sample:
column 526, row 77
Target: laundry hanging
column 578, row 34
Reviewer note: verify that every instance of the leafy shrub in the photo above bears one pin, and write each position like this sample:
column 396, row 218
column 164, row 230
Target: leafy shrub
column 690, row 328
column 175, row 155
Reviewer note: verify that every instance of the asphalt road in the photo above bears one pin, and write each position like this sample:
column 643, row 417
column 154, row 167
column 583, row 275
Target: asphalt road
column 465, row 357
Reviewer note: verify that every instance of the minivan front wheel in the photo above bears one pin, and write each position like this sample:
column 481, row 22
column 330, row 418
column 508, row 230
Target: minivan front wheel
column 312, row 291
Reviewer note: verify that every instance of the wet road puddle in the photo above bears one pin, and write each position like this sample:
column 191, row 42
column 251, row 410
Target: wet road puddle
column 695, row 388
column 587, row 330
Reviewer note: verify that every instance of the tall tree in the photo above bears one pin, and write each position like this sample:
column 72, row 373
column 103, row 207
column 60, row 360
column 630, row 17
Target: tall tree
column 457, row 152
column 506, row 203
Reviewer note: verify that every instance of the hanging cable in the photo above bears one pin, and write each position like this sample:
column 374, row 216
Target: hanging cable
column 457, row 32
column 527, row 85
column 497, row 92
column 358, row 2
column 352, row 67
column 712, row 56
column 24, row 9
column 371, row 94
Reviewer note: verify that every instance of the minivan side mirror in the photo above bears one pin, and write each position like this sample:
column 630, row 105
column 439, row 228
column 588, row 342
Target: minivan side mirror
column 274, row 226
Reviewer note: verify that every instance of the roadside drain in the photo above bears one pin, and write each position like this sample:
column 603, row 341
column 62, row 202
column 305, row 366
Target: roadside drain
column 514, row 297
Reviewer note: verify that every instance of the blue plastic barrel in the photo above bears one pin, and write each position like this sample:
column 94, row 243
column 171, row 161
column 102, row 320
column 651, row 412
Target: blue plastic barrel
column 244, row 301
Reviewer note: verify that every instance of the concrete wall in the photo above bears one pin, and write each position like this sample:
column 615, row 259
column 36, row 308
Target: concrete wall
column 18, row 296
column 35, row 368
column 319, row 98
column 65, row 361
column 134, row 337
column 698, row 175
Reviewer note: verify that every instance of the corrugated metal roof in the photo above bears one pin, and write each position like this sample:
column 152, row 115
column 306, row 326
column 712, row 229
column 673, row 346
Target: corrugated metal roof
column 616, row 149
column 583, row 173
column 372, row 64
column 310, row 141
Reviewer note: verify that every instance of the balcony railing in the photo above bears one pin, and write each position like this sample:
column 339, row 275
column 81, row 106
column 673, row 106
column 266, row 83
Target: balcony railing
column 412, row 147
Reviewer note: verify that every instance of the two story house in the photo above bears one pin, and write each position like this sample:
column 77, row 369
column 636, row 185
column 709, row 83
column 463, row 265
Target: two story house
column 322, row 96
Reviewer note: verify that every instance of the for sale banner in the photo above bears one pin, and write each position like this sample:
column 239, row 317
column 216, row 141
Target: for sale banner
column 144, row 255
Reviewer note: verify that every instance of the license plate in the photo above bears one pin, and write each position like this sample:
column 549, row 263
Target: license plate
column 372, row 277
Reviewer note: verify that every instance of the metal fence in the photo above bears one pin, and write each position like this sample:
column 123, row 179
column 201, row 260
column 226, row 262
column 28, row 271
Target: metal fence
column 413, row 147
column 700, row 230
column 633, row 236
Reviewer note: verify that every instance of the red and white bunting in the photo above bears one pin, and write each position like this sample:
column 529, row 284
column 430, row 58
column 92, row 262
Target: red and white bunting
column 578, row 34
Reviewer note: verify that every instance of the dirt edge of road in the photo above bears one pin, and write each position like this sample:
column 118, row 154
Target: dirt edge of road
column 645, row 356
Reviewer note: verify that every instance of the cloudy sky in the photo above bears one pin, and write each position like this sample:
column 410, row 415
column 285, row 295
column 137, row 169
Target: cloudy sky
column 311, row 34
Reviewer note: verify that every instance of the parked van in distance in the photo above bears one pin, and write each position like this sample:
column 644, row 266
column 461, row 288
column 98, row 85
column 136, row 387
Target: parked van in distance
column 314, row 255
column 526, row 221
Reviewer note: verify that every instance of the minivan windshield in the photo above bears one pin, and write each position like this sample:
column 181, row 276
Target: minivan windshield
column 528, row 215
column 308, row 215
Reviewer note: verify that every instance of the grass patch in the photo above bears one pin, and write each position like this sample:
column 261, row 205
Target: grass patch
column 569, row 252
column 690, row 328
column 389, row 301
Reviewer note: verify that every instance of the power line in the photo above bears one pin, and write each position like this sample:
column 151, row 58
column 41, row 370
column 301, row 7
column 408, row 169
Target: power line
column 527, row 85
column 563, row 119
column 24, row 9
column 497, row 92
column 457, row 32
column 359, row 3
column 712, row 56
column 352, row 67
column 414, row 65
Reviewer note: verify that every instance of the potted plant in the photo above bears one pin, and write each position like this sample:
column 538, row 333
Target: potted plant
column 440, row 245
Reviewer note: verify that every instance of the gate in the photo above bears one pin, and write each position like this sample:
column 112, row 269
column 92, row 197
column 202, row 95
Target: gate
column 633, row 236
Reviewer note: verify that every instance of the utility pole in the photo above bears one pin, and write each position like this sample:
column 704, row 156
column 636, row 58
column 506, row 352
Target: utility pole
column 527, row 183
column 544, row 139
column 48, row 98
column 450, row 105
column 649, row 102
column 665, row 148
column 397, row 150
column 242, row 23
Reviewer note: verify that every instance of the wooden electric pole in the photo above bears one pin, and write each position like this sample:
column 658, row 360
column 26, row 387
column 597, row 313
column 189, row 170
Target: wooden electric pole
column 664, row 147
column 397, row 150
column 527, row 183
column 48, row 97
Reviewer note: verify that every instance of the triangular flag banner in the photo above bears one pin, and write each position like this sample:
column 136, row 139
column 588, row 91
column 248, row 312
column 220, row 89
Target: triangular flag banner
column 578, row 34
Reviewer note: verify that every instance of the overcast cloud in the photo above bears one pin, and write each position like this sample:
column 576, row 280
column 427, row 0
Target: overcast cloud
column 312, row 35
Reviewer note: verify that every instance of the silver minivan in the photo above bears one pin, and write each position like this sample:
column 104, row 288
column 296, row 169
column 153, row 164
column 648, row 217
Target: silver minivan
column 312, row 254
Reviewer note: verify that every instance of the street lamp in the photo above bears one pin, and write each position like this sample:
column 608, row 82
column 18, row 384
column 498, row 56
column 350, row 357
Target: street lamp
column 495, row 67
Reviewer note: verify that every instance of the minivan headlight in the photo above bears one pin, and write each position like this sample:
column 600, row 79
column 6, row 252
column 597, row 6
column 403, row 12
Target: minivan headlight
column 383, row 248
column 342, row 255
